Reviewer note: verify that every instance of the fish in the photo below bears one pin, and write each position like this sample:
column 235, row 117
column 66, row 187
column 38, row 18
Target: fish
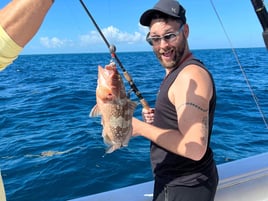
column 114, row 107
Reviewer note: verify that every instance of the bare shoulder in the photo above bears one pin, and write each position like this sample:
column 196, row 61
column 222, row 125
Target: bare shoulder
column 194, row 72
column 192, row 80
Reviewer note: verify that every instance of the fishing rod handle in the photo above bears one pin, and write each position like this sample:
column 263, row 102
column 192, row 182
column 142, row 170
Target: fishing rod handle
column 127, row 76
column 136, row 91
column 145, row 105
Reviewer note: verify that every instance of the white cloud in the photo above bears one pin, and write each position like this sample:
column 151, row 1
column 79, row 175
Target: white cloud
column 54, row 42
column 113, row 35
column 143, row 29
column 93, row 42
column 92, row 38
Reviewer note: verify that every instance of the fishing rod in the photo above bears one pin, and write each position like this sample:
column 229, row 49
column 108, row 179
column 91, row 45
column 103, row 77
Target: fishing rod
column 112, row 49
column 241, row 67
column 263, row 18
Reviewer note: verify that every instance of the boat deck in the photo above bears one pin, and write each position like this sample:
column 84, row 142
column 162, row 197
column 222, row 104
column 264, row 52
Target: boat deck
column 241, row 180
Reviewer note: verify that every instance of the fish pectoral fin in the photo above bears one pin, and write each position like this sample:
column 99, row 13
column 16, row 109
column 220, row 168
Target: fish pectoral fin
column 113, row 148
column 95, row 112
column 132, row 105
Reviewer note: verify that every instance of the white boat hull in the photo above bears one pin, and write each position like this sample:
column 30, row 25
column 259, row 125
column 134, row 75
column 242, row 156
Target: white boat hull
column 241, row 180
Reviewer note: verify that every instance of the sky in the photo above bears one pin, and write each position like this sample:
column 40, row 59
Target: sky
column 68, row 29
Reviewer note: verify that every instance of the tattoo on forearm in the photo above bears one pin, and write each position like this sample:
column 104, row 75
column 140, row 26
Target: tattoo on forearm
column 204, row 130
column 193, row 105
column 204, row 121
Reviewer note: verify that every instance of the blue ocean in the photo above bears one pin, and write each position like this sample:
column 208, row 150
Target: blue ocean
column 52, row 151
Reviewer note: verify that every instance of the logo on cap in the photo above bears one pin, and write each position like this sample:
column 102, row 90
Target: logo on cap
column 174, row 10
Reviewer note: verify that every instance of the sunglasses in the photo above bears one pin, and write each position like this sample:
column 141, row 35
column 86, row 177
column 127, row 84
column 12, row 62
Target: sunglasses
column 170, row 37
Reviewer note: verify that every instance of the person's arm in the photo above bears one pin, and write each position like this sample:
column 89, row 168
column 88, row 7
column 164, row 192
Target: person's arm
column 19, row 22
column 21, row 19
column 190, row 93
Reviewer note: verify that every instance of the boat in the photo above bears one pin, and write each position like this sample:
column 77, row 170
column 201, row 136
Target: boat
column 241, row 180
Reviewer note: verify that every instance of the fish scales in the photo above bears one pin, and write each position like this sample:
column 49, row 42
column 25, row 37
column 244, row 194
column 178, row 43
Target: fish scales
column 115, row 108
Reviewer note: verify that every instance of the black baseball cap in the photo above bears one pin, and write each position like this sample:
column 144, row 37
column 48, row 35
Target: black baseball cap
column 168, row 7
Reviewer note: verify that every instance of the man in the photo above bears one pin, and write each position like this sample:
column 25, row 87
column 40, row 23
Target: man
column 182, row 161
column 19, row 21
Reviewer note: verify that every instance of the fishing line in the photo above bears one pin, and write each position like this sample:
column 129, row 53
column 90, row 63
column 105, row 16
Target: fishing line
column 241, row 67
column 112, row 49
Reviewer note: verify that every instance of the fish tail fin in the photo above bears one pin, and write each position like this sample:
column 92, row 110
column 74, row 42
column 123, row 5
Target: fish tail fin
column 112, row 148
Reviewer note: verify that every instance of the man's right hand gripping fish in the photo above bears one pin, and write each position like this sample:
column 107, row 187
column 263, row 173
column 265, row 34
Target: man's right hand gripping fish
column 115, row 108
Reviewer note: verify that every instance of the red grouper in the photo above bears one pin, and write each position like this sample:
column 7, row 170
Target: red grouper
column 115, row 108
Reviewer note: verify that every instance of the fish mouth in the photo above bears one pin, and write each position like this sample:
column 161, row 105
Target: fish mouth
column 110, row 67
column 107, row 71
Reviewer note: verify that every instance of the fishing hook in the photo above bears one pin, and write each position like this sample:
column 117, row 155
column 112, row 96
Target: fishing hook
column 112, row 49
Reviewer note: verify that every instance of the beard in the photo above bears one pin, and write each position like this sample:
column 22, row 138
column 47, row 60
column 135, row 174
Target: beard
column 178, row 51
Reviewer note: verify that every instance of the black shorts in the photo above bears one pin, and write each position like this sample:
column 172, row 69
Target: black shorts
column 203, row 192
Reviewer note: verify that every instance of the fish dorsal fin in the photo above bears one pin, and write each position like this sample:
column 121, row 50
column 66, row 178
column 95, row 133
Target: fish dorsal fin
column 95, row 112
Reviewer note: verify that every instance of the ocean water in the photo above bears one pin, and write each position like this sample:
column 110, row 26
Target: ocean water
column 52, row 151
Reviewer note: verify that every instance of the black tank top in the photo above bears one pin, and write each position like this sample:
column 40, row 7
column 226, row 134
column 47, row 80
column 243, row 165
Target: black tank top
column 171, row 168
